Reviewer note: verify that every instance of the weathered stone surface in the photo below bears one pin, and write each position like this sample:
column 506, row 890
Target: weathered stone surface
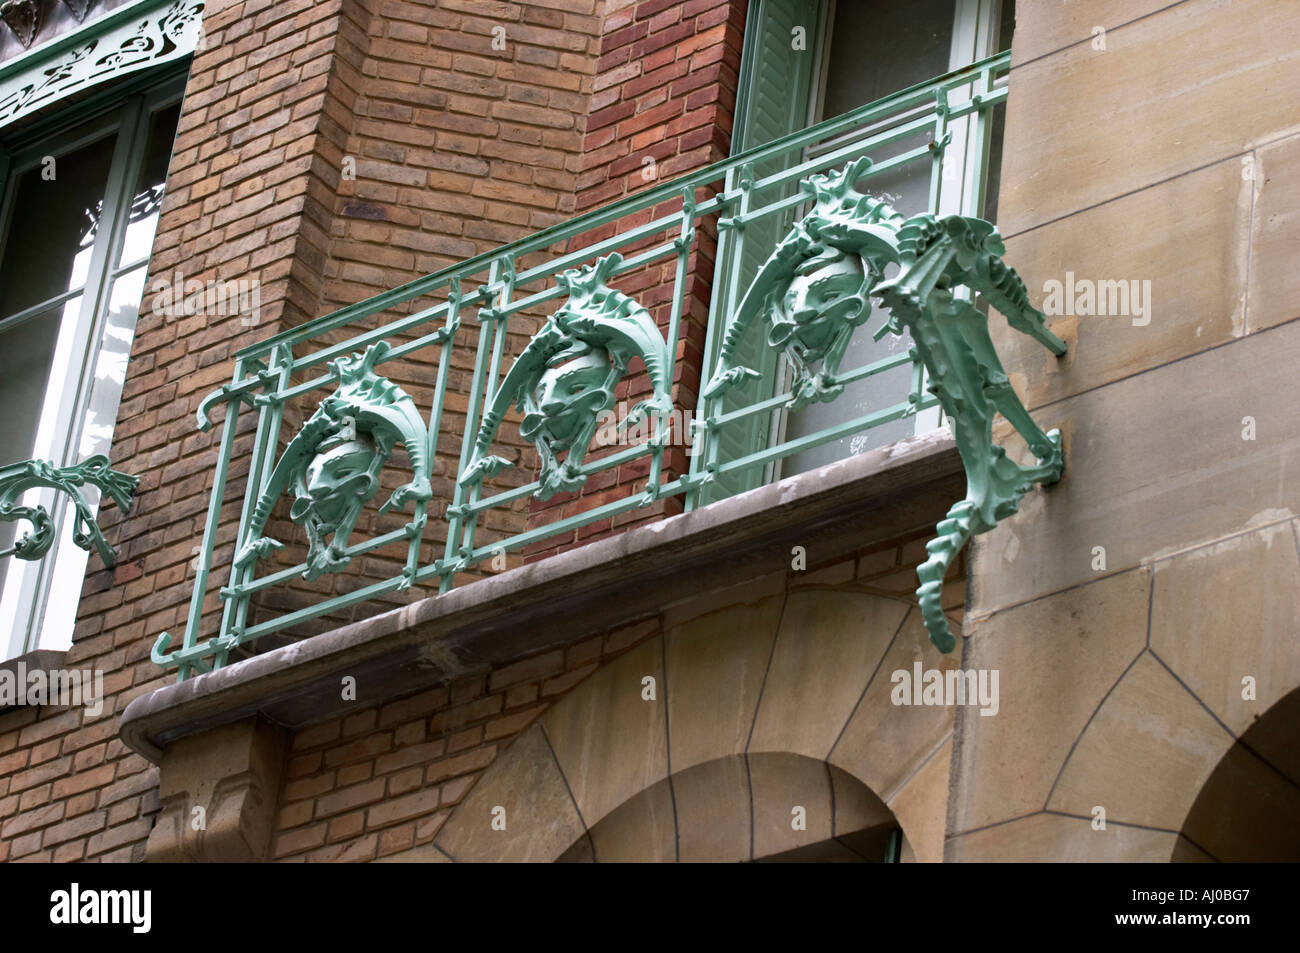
column 713, row 811
column 232, row 775
column 1190, row 289
column 884, row 743
column 1138, row 483
column 541, row 819
column 1052, row 838
column 424, row 854
column 715, row 671
column 1045, row 26
column 1057, row 657
column 1197, row 83
column 640, row 830
column 1274, row 278
column 921, row 806
column 1145, row 753
column 781, row 783
column 609, row 741
column 829, row 645
column 1248, row 629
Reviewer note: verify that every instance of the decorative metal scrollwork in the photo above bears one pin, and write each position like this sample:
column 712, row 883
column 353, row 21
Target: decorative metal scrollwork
column 813, row 293
column 333, row 464
column 17, row 478
column 565, row 379
column 160, row 33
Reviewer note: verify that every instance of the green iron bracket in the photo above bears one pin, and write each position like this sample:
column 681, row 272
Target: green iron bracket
column 333, row 464
column 812, row 293
column 17, row 478
column 566, row 378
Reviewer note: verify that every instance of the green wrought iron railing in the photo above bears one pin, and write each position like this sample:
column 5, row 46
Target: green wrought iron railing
column 332, row 465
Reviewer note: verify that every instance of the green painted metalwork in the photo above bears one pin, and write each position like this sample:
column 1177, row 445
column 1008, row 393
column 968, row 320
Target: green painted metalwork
column 17, row 478
column 134, row 36
column 333, row 464
column 813, row 293
column 566, row 378
column 461, row 317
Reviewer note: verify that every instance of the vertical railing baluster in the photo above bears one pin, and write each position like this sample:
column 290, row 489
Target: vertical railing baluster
column 434, row 429
column 230, row 425
column 270, row 416
column 452, row 558
column 731, row 298
column 683, row 241
column 715, row 332
column 501, row 318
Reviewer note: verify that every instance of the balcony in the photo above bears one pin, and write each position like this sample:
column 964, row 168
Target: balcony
column 437, row 365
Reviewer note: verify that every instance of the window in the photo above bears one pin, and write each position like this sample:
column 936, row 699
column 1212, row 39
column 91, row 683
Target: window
column 806, row 61
column 79, row 208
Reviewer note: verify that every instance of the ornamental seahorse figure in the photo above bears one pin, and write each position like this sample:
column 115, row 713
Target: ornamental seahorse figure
column 334, row 461
column 813, row 290
column 965, row 373
column 566, row 378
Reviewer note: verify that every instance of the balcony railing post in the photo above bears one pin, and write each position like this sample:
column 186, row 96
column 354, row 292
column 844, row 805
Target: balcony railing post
column 270, row 414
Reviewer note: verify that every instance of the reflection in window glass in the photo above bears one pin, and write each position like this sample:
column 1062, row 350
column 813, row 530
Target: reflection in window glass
column 146, row 201
column 26, row 351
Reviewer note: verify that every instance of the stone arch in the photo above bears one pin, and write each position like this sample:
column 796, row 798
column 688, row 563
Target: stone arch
column 1248, row 809
column 765, row 692
column 742, row 807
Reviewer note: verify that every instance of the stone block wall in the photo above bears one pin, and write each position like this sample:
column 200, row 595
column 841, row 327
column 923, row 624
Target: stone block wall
column 1125, row 606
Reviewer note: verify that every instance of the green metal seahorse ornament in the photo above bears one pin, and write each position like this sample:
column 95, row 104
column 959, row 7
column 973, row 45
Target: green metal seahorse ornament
column 17, row 478
column 566, row 378
column 813, row 291
column 333, row 464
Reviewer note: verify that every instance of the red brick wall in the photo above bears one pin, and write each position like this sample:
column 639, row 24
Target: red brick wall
column 245, row 189
column 383, row 780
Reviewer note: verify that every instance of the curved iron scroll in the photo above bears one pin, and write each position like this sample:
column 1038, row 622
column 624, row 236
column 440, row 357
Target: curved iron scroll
column 17, row 478
column 813, row 292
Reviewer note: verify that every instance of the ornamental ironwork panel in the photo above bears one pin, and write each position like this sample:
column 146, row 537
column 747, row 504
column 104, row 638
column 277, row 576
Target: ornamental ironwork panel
column 815, row 292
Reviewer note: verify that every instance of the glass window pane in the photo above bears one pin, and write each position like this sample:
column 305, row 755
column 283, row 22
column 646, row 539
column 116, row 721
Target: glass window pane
column 146, row 201
column 52, row 228
column 878, row 47
column 26, row 354
column 26, row 351
column 110, row 365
